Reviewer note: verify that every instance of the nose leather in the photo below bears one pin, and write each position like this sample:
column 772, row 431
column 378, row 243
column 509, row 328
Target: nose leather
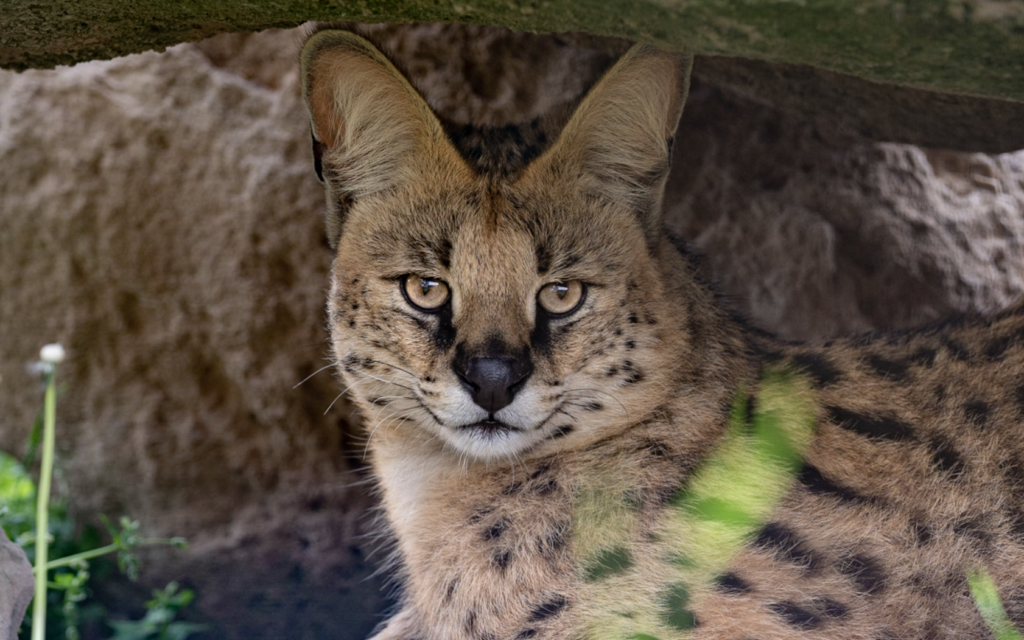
column 493, row 382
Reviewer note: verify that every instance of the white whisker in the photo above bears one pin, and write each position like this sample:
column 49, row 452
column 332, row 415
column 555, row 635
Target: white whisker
column 328, row 366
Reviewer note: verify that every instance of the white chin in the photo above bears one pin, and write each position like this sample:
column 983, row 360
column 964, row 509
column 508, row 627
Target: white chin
column 489, row 442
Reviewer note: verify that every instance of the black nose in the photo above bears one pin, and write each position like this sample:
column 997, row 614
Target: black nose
column 493, row 382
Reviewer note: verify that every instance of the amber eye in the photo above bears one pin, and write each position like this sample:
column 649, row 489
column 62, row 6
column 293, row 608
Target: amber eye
column 561, row 298
column 426, row 294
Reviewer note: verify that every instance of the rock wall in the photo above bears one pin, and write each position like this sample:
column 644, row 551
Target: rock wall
column 159, row 216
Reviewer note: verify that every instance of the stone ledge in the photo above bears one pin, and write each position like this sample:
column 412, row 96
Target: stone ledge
column 972, row 47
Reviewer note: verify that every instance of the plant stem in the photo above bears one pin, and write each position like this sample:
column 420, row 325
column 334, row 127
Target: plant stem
column 85, row 555
column 43, row 505
column 102, row 551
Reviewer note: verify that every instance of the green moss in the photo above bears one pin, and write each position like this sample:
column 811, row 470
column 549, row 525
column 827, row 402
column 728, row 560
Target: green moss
column 931, row 44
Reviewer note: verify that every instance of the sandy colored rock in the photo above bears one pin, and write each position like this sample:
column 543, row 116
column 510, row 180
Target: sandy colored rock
column 159, row 216
column 160, row 220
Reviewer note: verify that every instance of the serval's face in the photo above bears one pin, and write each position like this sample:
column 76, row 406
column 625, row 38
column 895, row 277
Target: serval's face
column 495, row 316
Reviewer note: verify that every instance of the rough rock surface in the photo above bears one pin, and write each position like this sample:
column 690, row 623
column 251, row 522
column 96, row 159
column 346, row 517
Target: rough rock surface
column 963, row 47
column 158, row 215
column 16, row 587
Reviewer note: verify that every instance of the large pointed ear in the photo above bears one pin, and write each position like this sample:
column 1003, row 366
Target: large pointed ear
column 619, row 138
column 371, row 129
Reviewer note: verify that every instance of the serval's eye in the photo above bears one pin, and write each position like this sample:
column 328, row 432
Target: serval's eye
column 561, row 298
column 425, row 294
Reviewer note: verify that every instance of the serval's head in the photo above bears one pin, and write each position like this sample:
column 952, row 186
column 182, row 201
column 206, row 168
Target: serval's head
column 495, row 313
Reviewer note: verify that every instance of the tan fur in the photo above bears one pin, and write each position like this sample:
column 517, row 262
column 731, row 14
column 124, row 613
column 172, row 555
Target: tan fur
column 914, row 476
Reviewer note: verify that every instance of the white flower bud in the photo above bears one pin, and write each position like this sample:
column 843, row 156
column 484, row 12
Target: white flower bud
column 52, row 353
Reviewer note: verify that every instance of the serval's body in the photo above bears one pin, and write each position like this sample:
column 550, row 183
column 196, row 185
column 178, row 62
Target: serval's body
column 543, row 377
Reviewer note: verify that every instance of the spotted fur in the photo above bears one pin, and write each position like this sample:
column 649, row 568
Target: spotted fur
column 562, row 508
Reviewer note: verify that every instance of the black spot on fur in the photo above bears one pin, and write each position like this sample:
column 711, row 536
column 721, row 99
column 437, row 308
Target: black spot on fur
column 630, row 344
column 888, row 369
column 815, row 482
column 873, row 427
column 975, row 529
column 554, row 539
column 470, row 624
column 957, row 350
column 977, row 412
column 633, row 374
column 996, row 348
column 946, row 458
column 561, row 431
column 812, row 614
column 654, row 448
column 865, row 572
column 731, row 584
column 546, row 487
column 593, row 406
column 795, row 615
column 1015, row 607
column 830, row 608
column 787, row 546
column 501, row 559
column 922, row 532
column 1018, row 396
column 450, row 591
column 750, row 412
column 925, row 357
column 480, row 514
column 609, row 562
column 1015, row 514
column 1014, row 471
column 632, row 318
column 818, row 367
column 675, row 611
column 549, row 608
column 496, row 530
column 526, row 633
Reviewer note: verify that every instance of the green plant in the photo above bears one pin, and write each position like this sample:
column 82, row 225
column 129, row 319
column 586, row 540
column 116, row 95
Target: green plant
column 41, row 525
column 159, row 622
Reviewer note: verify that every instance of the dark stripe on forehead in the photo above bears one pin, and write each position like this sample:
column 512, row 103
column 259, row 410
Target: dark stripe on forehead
column 543, row 257
column 443, row 252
